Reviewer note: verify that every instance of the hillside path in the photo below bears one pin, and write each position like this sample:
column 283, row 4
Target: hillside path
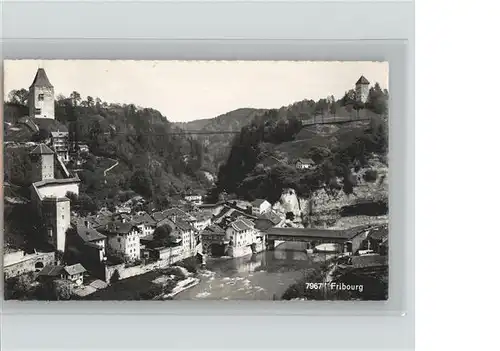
column 110, row 168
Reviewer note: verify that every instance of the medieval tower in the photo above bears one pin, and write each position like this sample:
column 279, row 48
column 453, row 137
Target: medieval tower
column 42, row 163
column 41, row 100
column 362, row 89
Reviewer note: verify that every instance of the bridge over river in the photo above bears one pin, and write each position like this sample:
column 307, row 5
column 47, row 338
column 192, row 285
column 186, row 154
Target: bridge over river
column 348, row 240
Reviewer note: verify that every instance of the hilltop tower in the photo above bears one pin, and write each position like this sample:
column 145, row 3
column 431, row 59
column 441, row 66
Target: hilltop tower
column 41, row 99
column 362, row 89
column 42, row 163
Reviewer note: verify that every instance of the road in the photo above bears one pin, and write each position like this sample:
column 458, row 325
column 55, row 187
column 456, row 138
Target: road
column 110, row 168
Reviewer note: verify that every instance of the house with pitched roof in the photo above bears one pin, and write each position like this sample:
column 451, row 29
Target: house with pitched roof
column 214, row 240
column 91, row 244
column 242, row 237
column 304, row 163
column 184, row 230
column 41, row 98
column 260, row 206
column 122, row 239
column 145, row 223
column 74, row 273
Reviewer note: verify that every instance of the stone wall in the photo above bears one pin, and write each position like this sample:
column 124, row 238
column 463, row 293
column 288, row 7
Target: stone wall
column 28, row 263
column 127, row 272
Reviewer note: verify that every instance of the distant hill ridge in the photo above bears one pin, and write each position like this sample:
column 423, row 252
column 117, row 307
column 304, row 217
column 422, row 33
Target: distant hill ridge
column 231, row 121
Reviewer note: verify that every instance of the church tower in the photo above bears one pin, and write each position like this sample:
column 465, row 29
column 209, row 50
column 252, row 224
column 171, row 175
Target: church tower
column 362, row 89
column 41, row 99
column 42, row 163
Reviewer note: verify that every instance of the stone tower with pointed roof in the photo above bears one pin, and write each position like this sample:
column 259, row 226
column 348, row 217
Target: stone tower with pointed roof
column 362, row 89
column 41, row 99
column 42, row 163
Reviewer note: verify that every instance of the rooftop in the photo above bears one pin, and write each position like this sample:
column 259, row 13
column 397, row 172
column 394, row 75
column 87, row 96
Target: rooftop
column 241, row 224
column 144, row 219
column 45, row 182
column 88, row 233
column 42, row 149
column 213, row 229
column 258, row 202
column 271, row 216
column 75, row 269
column 51, row 271
column 59, row 134
column 117, row 227
column 306, row 161
column 321, row 233
column 362, row 80
column 41, row 79
column 379, row 233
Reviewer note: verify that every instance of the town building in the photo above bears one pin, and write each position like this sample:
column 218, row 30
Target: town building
column 183, row 230
column 48, row 195
column 362, row 89
column 122, row 239
column 242, row 237
column 211, row 209
column 74, row 273
column 214, row 241
column 83, row 148
column 260, row 206
column 201, row 221
column 51, row 272
column 268, row 220
column 194, row 199
column 378, row 240
column 41, row 98
column 59, row 141
column 91, row 243
column 145, row 223
column 174, row 214
column 304, row 163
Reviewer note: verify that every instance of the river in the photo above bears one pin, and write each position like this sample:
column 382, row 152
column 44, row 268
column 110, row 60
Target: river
column 262, row 276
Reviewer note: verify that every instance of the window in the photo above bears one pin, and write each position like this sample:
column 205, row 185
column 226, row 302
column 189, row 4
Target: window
column 38, row 111
column 119, row 240
column 40, row 97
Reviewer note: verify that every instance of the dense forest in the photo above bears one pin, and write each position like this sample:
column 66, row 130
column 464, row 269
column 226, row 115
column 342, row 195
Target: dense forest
column 151, row 161
column 243, row 173
column 160, row 165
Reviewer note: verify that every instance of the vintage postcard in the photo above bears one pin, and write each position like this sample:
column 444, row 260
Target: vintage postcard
column 195, row 180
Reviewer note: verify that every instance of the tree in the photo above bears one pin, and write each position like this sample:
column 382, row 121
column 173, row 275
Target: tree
column 90, row 101
column 19, row 96
column 163, row 236
column 142, row 183
column 75, row 98
column 41, row 135
column 332, row 107
column 59, row 289
column 115, row 276
column 377, row 100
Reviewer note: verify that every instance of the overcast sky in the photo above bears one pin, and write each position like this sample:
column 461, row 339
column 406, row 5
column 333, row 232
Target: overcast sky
column 188, row 90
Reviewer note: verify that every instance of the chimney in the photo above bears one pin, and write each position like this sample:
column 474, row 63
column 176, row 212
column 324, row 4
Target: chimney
column 174, row 218
column 87, row 224
column 123, row 219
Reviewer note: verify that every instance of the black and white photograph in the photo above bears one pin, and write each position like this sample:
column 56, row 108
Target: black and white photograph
column 196, row 180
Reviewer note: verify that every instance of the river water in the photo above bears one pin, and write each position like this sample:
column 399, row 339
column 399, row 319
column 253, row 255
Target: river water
column 263, row 276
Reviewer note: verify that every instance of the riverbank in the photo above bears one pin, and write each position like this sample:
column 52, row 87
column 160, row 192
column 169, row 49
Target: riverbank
column 161, row 284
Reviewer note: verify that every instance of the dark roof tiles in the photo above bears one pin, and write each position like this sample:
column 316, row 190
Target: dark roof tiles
column 41, row 79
